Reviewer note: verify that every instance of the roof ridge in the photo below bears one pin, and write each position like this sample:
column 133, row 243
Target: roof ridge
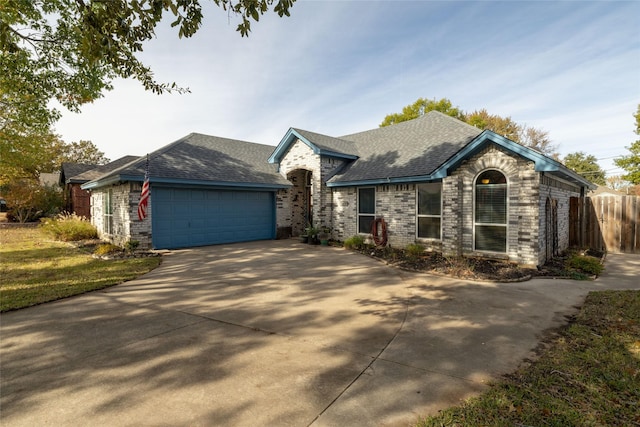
column 227, row 139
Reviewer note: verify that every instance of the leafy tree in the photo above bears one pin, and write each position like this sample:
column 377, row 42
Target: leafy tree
column 616, row 182
column 28, row 200
column 631, row 162
column 83, row 152
column 420, row 108
column 535, row 138
column 586, row 166
column 504, row 126
column 71, row 50
column 26, row 156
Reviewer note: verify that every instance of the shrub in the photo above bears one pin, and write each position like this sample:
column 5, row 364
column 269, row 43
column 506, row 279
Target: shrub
column 415, row 250
column 69, row 227
column 29, row 201
column 585, row 264
column 106, row 249
column 354, row 242
column 131, row 245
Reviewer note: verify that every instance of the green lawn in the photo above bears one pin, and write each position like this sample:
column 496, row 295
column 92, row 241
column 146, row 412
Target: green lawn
column 589, row 375
column 35, row 269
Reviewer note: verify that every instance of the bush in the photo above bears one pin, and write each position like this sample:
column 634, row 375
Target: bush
column 354, row 242
column 415, row 250
column 28, row 201
column 585, row 264
column 69, row 228
column 106, row 249
column 131, row 246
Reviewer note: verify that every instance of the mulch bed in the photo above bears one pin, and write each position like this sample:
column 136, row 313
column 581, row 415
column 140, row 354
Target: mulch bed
column 472, row 268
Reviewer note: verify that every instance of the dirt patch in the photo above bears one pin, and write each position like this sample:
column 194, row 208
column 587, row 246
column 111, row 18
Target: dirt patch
column 474, row 268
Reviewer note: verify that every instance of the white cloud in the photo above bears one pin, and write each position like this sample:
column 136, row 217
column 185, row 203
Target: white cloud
column 340, row 67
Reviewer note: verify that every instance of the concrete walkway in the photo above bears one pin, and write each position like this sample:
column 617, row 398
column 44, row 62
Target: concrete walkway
column 275, row 333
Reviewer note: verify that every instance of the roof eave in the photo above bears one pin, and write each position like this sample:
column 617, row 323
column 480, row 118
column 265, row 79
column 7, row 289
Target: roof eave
column 184, row 182
column 382, row 181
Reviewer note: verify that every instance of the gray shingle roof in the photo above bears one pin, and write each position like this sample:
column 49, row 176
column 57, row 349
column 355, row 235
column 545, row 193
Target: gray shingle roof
column 98, row 171
column 71, row 170
column 412, row 148
column 206, row 159
column 329, row 143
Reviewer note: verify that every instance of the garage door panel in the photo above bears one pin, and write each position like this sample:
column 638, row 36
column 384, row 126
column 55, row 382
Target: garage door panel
column 187, row 217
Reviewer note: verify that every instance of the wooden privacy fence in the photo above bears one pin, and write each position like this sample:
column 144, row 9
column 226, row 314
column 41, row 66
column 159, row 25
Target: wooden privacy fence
column 609, row 223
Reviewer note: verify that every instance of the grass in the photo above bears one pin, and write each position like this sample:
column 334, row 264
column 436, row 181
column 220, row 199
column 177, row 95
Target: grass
column 588, row 375
column 35, row 270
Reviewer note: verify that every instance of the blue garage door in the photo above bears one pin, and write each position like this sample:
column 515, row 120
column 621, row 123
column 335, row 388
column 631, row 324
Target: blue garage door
column 191, row 217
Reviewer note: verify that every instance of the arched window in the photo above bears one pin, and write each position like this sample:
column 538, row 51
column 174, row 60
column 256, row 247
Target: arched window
column 490, row 212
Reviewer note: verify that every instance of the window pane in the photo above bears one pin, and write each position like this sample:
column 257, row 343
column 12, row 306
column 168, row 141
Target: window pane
column 429, row 227
column 367, row 200
column 429, row 199
column 491, row 177
column 364, row 223
column 491, row 204
column 491, row 238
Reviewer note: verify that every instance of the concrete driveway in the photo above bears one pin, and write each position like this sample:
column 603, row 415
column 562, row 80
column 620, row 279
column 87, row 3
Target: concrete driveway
column 275, row 333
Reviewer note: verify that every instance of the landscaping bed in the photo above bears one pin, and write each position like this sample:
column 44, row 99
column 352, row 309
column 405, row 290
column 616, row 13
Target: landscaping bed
column 476, row 268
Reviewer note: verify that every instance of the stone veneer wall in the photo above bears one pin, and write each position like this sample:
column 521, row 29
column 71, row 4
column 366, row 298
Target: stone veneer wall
column 396, row 203
column 298, row 159
column 283, row 214
column 561, row 191
column 126, row 225
column 523, row 189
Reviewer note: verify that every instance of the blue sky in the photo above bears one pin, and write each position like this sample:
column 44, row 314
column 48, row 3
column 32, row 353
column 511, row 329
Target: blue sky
column 337, row 67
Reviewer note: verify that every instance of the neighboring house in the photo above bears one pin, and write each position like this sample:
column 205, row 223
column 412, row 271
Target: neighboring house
column 601, row 190
column 49, row 179
column 76, row 200
column 433, row 180
column 73, row 175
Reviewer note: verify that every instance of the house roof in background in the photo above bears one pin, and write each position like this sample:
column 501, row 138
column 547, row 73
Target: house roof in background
column 70, row 170
column 601, row 190
column 199, row 159
column 49, row 178
column 100, row 170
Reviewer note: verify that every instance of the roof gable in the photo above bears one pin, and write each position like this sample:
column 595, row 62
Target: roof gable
column 320, row 144
column 542, row 163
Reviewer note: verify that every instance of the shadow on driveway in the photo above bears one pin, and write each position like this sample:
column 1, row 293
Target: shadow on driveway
column 270, row 333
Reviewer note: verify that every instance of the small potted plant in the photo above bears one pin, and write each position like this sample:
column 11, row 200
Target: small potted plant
column 312, row 233
column 323, row 235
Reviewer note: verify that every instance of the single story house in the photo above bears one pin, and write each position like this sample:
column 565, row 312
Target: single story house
column 433, row 180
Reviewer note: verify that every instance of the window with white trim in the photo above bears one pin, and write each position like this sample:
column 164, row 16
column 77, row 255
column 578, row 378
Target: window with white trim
column 429, row 210
column 366, row 208
column 107, row 212
column 490, row 212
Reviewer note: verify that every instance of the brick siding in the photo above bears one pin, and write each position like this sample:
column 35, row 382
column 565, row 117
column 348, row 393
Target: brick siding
column 126, row 225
